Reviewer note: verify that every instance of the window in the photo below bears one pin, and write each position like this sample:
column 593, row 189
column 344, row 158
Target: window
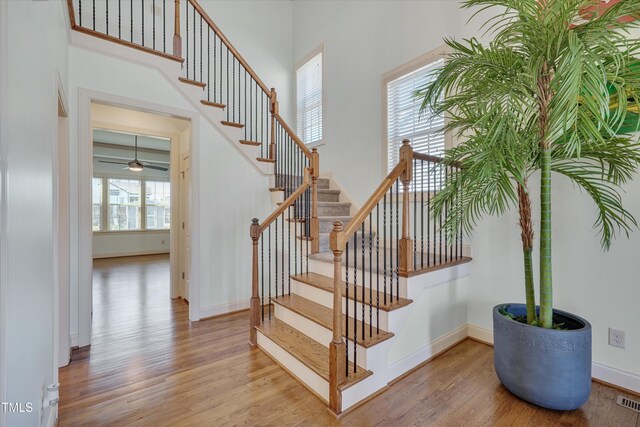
column 158, row 205
column 309, row 99
column 124, row 204
column 97, row 204
column 404, row 120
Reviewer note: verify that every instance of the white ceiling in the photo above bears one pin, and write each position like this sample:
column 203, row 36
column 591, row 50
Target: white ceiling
column 128, row 140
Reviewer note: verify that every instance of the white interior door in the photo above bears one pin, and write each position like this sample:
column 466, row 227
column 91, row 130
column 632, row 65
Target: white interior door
column 185, row 225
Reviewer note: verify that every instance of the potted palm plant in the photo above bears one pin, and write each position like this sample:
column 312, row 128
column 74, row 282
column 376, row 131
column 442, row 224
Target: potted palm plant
column 554, row 93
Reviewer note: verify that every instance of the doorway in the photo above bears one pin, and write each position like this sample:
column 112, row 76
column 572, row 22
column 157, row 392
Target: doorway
column 132, row 216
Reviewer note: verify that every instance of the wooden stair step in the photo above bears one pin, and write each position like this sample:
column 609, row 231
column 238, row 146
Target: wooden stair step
column 274, row 189
column 252, row 143
column 213, row 104
column 309, row 352
column 326, row 284
column 232, row 124
column 264, row 160
column 298, row 220
column 192, row 82
column 323, row 316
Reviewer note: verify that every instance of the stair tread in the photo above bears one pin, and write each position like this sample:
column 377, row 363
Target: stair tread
column 265, row 160
column 232, row 124
column 213, row 104
column 253, row 143
column 312, row 354
column 192, row 82
column 328, row 191
column 323, row 316
column 326, row 283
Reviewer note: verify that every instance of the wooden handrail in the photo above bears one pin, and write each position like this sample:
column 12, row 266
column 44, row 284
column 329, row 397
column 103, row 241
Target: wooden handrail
column 293, row 135
column 72, row 14
column 433, row 159
column 230, row 46
column 306, row 183
column 370, row 204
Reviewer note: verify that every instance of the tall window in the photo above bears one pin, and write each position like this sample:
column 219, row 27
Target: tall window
column 97, row 204
column 309, row 100
column 124, row 204
column 158, row 205
column 404, row 120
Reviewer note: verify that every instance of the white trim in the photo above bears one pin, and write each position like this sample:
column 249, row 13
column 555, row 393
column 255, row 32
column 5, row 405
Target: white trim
column 52, row 420
column 74, row 340
column 219, row 309
column 85, row 173
column 393, row 74
column 600, row 371
column 297, row 65
column 480, row 334
column 427, row 352
column 615, row 376
column 3, row 202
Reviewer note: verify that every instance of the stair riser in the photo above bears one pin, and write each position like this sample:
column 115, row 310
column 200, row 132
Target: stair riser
column 326, row 269
column 297, row 368
column 317, row 332
column 326, row 298
column 338, row 210
column 326, row 225
column 328, row 197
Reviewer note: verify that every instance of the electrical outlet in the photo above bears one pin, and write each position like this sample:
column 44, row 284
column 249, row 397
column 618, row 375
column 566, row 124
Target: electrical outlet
column 616, row 338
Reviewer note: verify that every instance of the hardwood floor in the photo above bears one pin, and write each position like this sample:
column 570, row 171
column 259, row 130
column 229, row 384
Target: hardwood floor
column 149, row 366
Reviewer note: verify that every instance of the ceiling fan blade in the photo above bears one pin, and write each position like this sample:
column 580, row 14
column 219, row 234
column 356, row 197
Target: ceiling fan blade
column 115, row 163
column 159, row 168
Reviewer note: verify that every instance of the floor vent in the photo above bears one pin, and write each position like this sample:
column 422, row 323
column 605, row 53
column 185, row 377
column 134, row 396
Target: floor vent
column 628, row 403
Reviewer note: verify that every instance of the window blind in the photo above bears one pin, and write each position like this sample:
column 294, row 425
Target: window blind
column 309, row 100
column 404, row 120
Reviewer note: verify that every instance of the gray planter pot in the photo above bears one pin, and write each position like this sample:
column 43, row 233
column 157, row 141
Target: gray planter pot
column 547, row 367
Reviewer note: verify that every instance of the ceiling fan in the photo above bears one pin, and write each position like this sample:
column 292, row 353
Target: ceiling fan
column 136, row 165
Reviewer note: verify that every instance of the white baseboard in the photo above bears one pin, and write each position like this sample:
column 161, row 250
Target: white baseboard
column 599, row 371
column 426, row 352
column 217, row 310
column 74, row 340
column 480, row 334
column 615, row 376
column 125, row 254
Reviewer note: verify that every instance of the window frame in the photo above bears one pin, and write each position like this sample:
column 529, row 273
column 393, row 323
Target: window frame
column 308, row 57
column 406, row 68
column 104, row 212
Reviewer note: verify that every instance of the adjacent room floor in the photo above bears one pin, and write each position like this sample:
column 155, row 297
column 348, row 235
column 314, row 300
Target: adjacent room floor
column 148, row 365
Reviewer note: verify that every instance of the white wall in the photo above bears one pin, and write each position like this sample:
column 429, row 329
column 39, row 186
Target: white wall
column 362, row 41
column 262, row 33
column 37, row 50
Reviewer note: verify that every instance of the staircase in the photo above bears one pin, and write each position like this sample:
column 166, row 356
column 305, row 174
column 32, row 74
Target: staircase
column 333, row 287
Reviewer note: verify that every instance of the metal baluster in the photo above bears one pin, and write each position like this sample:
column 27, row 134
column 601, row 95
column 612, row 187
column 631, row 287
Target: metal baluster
column 415, row 214
column 208, row 63
column 289, row 248
column 282, row 242
column 119, row 19
column 276, row 251
column 391, row 270
column 397, row 238
column 363, row 280
column 378, row 268
column 370, row 274
column 107, row 15
column 201, row 78
column 384, row 248
column 346, row 329
column 80, row 12
column 142, row 12
column 440, row 218
column 186, row 33
column 164, row 27
column 421, row 214
column 154, row 23
column 228, row 109
column 233, row 88
column 194, row 43
column 269, row 271
column 355, row 298
column 131, row 20
column 94, row 15
column 246, row 125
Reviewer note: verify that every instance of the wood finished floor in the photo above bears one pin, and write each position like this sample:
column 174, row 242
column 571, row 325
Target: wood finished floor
column 149, row 366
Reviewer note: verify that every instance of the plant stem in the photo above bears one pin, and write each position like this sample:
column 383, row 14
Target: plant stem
column 526, row 229
column 546, row 288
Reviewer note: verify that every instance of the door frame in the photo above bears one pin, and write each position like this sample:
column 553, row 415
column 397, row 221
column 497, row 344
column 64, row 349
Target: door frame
column 85, row 172
column 3, row 201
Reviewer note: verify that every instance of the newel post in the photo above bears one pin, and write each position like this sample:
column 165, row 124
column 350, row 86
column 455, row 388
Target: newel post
column 275, row 110
column 255, row 298
column 337, row 349
column 405, row 245
column 315, row 222
column 177, row 39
